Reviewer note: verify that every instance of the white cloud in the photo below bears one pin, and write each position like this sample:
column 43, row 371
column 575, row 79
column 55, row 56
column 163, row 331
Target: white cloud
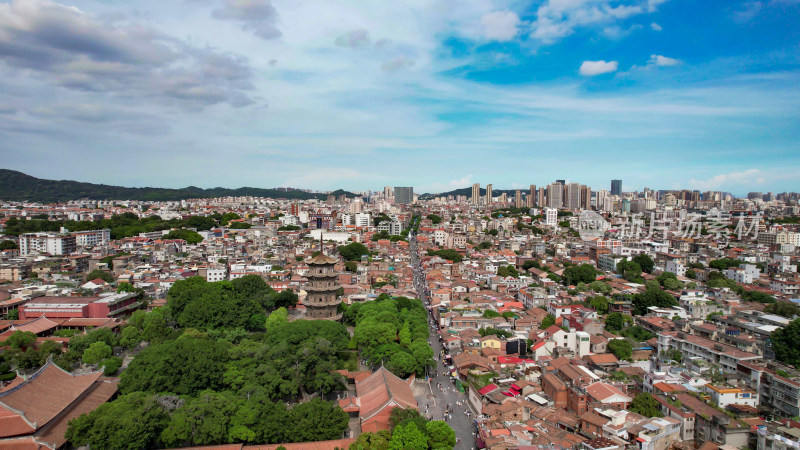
column 354, row 39
column 500, row 25
column 748, row 12
column 398, row 63
column 435, row 188
column 556, row 19
column 659, row 60
column 733, row 180
column 257, row 16
column 656, row 27
column 652, row 5
column 592, row 68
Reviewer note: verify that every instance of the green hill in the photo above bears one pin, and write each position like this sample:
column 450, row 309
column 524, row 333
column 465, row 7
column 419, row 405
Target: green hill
column 468, row 192
column 17, row 186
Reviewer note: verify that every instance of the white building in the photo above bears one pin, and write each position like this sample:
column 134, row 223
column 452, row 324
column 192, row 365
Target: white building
column 214, row 274
column 52, row 243
column 722, row 396
column 676, row 267
column 551, row 217
column 744, row 274
column 90, row 238
column 363, row 220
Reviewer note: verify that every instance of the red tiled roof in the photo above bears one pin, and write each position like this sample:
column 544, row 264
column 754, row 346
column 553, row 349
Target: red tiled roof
column 486, row 389
column 46, row 394
column 381, row 389
column 13, row 424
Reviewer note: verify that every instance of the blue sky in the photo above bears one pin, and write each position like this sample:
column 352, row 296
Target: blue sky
column 432, row 94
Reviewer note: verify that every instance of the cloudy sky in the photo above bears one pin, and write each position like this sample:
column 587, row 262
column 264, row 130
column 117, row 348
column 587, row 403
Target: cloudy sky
column 434, row 94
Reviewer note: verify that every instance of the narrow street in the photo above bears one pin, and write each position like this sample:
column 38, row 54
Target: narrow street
column 442, row 393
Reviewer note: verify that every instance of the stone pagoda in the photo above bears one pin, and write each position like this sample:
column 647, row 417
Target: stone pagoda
column 321, row 301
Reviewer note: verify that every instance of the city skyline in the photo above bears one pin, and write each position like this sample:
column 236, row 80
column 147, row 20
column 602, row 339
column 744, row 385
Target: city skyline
column 322, row 95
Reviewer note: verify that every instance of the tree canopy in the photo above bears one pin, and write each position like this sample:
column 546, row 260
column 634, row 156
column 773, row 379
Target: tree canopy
column 353, row 251
column 786, row 342
column 382, row 326
column 646, row 405
column 621, row 348
column 191, row 237
column 645, row 262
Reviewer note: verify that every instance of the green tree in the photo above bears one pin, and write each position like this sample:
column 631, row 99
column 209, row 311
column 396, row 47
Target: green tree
column 621, row 348
column 402, row 364
column 646, row 405
column 183, row 366
column 131, row 421
column 786, row 342
column 630, row 270
column 759, row 297
column 645, row 262
column 637, row 333
column 435, row 219
column 111, row 366
column 782, row 308
column 440, row 435
column 372, row 441
column 351, row 266
column 584, row 273
column 20, row 339
column 8, row 245
column 317, row 420
column 548, row 321
column 203, row 420
column 103, row 275
column 353, row 251
column 278, row 317
column 615, row 321
column 652, row 296
column 96, row 352
column 408, row 438
column 191, row 237
column 600, row 304
column 125, row 287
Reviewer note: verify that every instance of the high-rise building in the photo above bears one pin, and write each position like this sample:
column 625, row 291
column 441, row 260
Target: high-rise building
column 387, row 192
column 602, row 201
column 503, row 198
column 489, row 195
column 532, row 197
column 586, row 197
column 476, row 194
column 518, row 199
column 540, row 197
column 403, row 195
column 616, row 187
column 555, row 195
column 572, row 196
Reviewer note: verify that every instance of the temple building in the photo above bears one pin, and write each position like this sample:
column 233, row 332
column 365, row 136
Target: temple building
column 34, row 413
column 321, row 301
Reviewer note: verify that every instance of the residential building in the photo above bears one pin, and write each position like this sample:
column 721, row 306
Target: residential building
column 91, row 238
column 50, row 243
column 403, row 195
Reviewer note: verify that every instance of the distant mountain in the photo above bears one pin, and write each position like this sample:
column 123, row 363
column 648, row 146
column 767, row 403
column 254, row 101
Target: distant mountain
column 468, row 192
column 17, row 186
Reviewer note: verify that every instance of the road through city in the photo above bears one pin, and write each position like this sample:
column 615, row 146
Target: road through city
column 444, row 396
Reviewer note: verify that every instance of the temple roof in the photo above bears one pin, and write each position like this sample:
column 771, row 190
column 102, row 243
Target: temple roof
column 322, row 259
column 42, row 397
